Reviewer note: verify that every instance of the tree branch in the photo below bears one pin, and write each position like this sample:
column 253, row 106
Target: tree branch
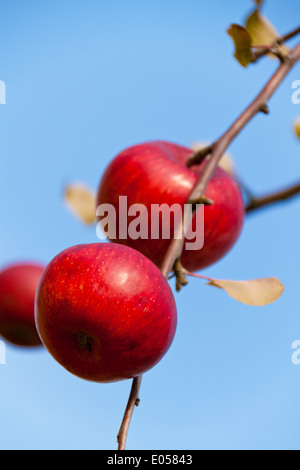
column 279, row 196
column 288, row 36
column 220, row 146
column 216, row 151
column 133, row 401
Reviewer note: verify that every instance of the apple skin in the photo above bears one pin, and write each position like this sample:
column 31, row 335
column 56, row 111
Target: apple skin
column 156, row 173
column 105, row 312
column 18, row 285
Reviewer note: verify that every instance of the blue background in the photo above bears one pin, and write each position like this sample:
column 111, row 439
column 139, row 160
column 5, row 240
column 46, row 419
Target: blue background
column 84, row 81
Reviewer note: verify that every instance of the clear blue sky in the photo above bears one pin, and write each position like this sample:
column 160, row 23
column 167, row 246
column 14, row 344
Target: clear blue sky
column 85, row 80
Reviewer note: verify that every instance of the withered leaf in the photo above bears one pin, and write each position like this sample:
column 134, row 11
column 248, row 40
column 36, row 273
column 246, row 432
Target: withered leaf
column 81, row 201
column 262, row 32
column 297, row 127
column 243, row 44
column 257, row 292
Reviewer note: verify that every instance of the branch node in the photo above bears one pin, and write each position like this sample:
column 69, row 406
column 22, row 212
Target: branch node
column 180, row 274
column 277, row 50
column 199, row 156
column 201, row 200
column 264, row 108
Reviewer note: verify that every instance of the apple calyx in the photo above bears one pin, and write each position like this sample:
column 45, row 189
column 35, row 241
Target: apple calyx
column 85, row 341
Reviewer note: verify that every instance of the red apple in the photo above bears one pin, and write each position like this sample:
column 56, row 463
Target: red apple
column 18, row 285
column 105, row 312
column 156, row 173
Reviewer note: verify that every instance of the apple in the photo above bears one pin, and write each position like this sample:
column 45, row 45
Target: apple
column 156, row 173
column 105, row 312
column 18, row 283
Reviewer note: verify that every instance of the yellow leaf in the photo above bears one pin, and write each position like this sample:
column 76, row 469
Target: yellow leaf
column 226, row 162
column 258, row 292
column 199, row 145
column 242, row 41
column 262, row 32
column 81, row 201
column 297, row 127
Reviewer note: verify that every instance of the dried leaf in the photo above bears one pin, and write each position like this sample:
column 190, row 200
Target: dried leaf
column 297, row 127
column 199, row 145
column 242, row 40
column 258, row 2
column 226, row 162
column 262, row 32
column 81, row 201
column 258, row 292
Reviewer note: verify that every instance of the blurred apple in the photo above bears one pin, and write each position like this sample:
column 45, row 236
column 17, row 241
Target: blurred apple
column 18, row 285
column 297, row 127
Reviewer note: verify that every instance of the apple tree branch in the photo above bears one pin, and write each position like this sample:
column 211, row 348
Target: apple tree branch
column 214, row 152
column 279, row 196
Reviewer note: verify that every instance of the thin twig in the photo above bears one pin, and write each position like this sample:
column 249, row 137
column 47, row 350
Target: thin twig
column 279, row 196
column 288, row 36
column 273, row 48
column 133, row 401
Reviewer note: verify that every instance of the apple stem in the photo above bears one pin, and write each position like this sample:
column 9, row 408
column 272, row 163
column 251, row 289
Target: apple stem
column 133, row 401
column 199, row 276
